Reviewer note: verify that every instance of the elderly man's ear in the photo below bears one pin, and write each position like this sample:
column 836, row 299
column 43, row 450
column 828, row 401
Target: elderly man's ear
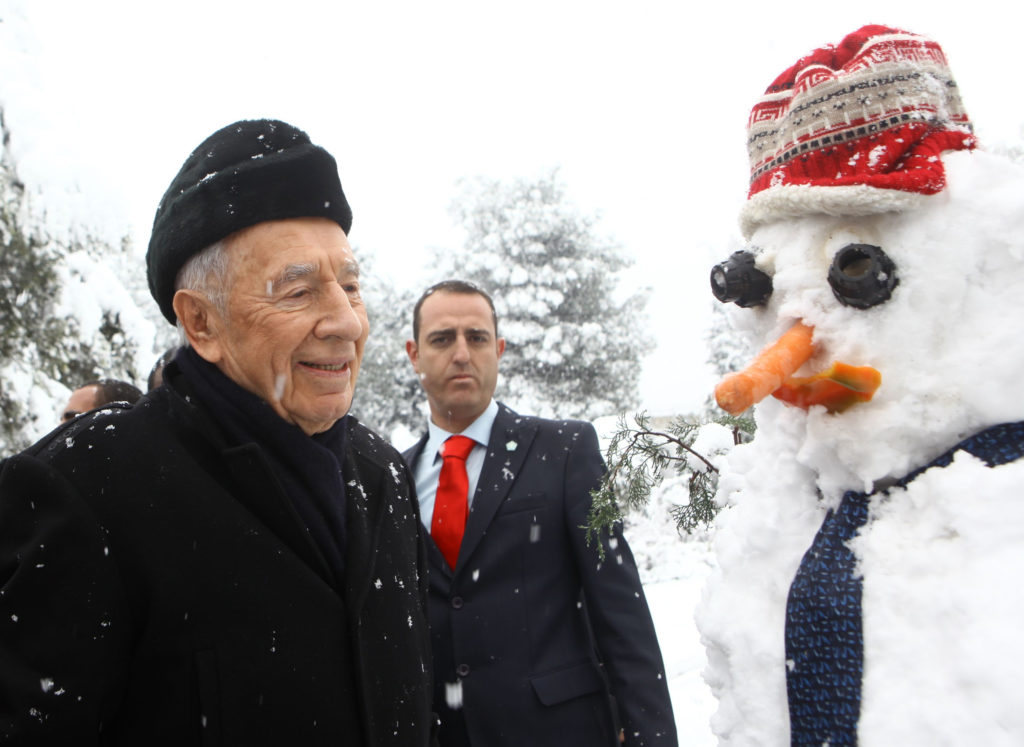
column 200, row 321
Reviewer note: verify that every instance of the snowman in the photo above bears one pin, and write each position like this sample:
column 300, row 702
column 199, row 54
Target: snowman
column 871, row 545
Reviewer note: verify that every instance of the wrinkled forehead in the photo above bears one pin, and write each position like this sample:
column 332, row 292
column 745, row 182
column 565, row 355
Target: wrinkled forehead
column 281, row 251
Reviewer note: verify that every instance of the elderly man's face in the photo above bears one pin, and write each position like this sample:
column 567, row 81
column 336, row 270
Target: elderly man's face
column 295, row 326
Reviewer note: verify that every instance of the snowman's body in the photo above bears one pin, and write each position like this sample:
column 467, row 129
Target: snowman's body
column 942, row 602
column 935, row 562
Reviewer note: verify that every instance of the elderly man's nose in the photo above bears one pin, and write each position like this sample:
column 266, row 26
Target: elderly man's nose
column 340, row 318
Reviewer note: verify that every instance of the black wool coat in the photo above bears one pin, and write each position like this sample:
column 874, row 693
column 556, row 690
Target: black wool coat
column 158, row 588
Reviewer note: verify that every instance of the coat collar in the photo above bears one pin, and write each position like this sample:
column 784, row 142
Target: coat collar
column 252, row 483
column 373, row 483
column 260, row 493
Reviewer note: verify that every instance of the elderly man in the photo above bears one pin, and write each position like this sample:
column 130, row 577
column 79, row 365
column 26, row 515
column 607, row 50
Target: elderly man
column 536, row 640
column 98, row 393
column 233, row 560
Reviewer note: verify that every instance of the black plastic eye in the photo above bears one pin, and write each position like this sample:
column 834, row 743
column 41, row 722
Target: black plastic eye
column 862, row 276
column 737, row 281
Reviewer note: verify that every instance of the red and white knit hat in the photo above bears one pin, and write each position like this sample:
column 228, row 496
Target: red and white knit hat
column 854, row 129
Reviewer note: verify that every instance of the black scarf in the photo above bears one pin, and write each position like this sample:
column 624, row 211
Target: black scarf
column 309, row 468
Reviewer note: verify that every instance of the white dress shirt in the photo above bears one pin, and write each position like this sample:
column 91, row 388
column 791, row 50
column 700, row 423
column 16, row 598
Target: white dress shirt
column 427, row 469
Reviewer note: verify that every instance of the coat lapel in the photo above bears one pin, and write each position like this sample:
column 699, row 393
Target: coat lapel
column 250, row 479
column 506, row 452
column 258, row 491
column 363, row 478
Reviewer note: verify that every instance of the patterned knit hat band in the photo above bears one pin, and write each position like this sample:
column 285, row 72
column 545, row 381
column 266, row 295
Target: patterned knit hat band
column 871, row 115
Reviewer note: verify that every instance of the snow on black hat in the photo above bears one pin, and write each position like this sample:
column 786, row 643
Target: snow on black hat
column 246, row 173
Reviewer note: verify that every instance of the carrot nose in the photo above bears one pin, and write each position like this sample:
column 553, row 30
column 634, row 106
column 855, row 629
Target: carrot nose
column 772, row 366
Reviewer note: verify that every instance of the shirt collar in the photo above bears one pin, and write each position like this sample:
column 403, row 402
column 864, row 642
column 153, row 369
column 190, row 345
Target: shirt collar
column 479, row 430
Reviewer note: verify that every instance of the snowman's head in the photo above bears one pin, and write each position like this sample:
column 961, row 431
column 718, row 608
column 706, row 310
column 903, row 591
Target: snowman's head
column 906, row 301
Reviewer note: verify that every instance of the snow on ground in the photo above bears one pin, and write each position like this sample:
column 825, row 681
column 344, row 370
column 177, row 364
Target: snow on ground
column 674, row 569
column 672, row 603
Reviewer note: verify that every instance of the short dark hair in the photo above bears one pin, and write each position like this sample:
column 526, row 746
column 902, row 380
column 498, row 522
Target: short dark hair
column 113, row 390
column 156, row 374
column 463, row 287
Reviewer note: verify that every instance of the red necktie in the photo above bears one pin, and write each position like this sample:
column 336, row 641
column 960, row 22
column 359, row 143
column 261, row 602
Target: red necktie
column 451, row 506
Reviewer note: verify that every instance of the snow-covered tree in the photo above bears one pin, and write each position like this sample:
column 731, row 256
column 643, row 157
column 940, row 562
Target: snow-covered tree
column 1013, row 150
column 648, row 461
column 574, row 343
column 387, row 393
column 65, row 315
column 727, row 350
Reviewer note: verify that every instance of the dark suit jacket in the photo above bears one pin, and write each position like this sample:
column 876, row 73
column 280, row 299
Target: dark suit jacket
column 158, row 588
column 514, row 628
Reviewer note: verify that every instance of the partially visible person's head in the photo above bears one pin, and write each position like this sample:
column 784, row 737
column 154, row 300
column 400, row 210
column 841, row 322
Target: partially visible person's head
column 156, row 374
column 250, row 256
column 97, row 394
column 456, row 352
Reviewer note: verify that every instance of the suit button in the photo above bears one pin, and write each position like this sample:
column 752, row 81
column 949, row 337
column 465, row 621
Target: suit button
column 457, row 603
column 462, row 670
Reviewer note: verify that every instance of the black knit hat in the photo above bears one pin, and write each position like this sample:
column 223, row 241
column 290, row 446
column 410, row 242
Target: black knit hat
column 246, row 173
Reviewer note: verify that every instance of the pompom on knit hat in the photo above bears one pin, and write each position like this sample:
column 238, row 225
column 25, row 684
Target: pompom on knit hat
column 854, row 129
column 246, row 173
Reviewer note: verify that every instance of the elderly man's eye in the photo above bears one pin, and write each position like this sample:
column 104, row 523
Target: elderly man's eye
column 862, row 276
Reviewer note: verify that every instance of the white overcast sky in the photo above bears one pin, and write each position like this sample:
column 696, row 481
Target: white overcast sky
column 641, row 106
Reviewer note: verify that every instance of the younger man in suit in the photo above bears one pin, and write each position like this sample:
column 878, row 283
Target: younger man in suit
column 536, row 640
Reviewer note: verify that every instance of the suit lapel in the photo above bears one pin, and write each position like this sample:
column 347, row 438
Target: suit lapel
column 434, row 556
column 506, row 452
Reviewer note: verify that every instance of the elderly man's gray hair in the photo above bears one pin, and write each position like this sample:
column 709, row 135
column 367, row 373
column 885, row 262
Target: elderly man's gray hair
column 206, row 272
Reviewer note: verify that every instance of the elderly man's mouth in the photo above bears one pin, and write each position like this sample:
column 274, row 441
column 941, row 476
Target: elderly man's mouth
column 326, row 367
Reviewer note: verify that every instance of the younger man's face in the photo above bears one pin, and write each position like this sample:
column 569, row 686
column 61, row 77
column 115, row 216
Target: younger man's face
column 456, row 357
